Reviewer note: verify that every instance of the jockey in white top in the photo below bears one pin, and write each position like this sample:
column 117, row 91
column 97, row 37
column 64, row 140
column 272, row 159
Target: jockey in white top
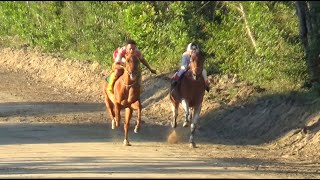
column 192, row 47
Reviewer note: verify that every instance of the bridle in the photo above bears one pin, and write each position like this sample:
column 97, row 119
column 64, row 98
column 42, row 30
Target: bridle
column 198, row 70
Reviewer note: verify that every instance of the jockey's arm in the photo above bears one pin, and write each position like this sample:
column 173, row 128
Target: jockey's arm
column 144, row 62
column 185, row 61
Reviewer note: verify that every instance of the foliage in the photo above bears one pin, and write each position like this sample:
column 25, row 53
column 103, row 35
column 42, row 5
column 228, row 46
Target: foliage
column 91, row 30
column 278, row 55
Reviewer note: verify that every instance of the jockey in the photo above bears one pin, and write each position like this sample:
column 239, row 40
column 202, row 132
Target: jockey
column 119, row 58
column 192, row 47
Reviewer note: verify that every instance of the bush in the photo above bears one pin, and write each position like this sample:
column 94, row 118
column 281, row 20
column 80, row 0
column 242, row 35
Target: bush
column 92, row 30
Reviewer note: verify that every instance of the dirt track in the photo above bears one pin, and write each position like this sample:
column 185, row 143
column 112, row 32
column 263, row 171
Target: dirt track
column 48, row 132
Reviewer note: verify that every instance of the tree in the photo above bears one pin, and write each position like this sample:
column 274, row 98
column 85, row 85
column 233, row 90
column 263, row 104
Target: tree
column 309, row 20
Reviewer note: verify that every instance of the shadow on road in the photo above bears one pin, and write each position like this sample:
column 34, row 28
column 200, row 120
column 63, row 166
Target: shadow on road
column 44, row 108
column 30, row 133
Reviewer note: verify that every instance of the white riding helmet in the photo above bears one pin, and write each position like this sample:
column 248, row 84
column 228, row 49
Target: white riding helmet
column 192, row 46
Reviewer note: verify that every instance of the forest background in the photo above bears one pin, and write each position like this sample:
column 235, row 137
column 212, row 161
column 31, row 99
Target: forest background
column 259, row 41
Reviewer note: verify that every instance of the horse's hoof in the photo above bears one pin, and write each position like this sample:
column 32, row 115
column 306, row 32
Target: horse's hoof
column 173, row 124
column 193, row 145
column 136, row 129
column 113, row 124
column 126, row 143
column 185, row 124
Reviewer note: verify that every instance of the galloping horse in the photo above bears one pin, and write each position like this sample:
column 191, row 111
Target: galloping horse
column 189, row 92
column 126, row 96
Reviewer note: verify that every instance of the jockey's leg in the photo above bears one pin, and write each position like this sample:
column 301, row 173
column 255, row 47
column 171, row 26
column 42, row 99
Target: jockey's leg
column 178, row 74
column 113, row 77
column 175, row 77
column 205, row 77
column 111, row 83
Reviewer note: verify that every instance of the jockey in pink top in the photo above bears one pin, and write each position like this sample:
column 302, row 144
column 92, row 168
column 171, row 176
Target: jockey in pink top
column 192, row 47
column 119, row 56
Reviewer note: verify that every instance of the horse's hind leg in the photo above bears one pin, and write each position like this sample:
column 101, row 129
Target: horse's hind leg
column 174, row 107
column 109, row 108
column 111, row 114
column 185, row 106
column 193, row 125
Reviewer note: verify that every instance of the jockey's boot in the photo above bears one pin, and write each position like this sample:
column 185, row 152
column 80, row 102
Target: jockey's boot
column 175, row 79
column 111, row 83
column 207, row 86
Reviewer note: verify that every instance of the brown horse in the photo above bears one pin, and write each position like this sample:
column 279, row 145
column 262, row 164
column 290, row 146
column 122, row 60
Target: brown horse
column 189, row 92
column 126, row 96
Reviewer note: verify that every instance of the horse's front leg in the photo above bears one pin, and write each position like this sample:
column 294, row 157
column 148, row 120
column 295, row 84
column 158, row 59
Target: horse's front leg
column 193, row 125
column 185, row 106
column 117, row 114
column 137, row 106
column 126, row 126
column 110, row 111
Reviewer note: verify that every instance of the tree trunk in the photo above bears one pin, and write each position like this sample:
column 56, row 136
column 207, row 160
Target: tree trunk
column 309, row 19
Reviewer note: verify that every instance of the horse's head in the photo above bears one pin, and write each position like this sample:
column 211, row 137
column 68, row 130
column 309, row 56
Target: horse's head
column 196, row 64
column 132, row 66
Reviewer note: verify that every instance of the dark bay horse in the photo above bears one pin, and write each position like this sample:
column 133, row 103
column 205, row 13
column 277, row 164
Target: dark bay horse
column 189, row 92
column 126, row 96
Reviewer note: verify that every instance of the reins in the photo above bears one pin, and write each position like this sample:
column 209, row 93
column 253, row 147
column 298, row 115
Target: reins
column 128, row 85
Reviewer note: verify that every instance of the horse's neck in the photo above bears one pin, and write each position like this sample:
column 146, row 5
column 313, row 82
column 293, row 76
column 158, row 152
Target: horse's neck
column 127, row 82
column 125, row 78
column 122, row 87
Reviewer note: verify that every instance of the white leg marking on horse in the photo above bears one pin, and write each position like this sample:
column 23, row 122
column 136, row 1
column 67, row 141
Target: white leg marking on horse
column 193, row 127
column 196, row 115
column 185, row 106
column 174, row 111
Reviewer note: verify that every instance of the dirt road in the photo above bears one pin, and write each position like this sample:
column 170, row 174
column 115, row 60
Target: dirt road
column 46, row 132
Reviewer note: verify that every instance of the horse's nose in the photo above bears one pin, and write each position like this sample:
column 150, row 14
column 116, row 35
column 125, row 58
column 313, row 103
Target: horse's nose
column 196, row 71
column 133, row 76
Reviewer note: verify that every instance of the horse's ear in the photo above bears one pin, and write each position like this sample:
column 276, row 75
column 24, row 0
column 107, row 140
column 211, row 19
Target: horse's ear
column 202, row 54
